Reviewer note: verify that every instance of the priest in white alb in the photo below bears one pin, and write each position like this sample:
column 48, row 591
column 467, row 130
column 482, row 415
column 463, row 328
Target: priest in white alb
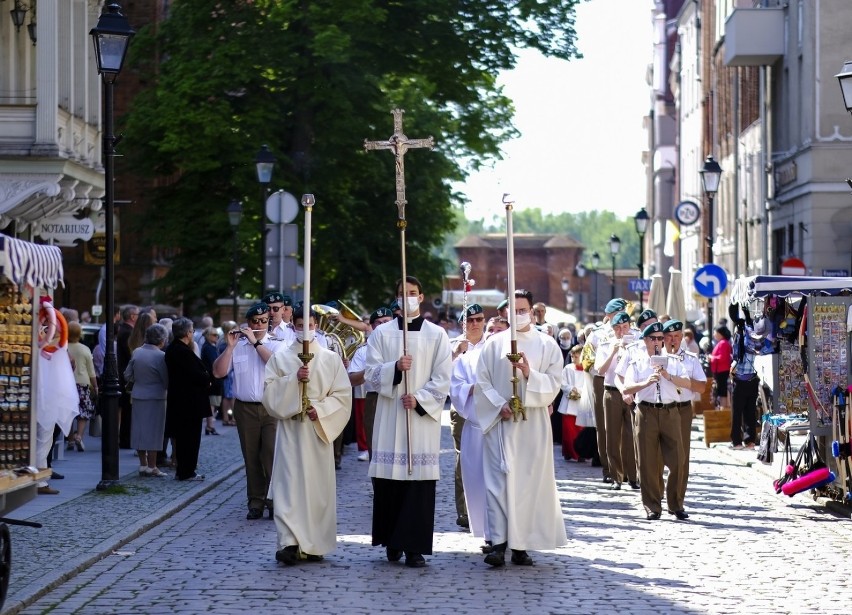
column 523, row 509
column 403, row 503
column 303, row 486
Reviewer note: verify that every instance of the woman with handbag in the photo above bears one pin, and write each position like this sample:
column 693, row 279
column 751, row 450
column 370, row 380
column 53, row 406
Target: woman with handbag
column 86, row 380
column 720, row 363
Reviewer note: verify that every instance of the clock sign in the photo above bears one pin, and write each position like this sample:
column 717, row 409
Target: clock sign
column 687, row 213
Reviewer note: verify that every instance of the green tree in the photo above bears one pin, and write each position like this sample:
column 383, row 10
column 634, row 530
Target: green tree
column 313, row 79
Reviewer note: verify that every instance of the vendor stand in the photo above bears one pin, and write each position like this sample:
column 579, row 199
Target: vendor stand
column 26, row 271
column 812, row 322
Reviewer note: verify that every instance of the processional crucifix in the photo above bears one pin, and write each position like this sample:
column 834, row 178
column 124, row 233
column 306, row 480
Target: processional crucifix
column 399, row 144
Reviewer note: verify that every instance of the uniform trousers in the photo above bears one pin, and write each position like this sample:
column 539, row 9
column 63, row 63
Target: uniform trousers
column 620, row 452
column 257, row 442
column 686, row 414
column 658, row 438
column 600, row 422
column 456, row 426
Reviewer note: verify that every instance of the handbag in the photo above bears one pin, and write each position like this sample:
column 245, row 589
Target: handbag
column 812, row 473
column 95, row 426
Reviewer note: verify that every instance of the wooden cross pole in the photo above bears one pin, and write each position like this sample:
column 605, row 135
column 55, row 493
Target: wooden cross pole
column 399, row 144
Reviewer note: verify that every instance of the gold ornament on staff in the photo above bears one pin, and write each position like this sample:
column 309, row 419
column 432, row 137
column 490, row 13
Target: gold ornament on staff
column 467, row 284
column 515, row 403
column 305, row 357
column 399, row 144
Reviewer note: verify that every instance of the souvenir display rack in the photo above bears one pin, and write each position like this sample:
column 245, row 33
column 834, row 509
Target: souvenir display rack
column 16, row 344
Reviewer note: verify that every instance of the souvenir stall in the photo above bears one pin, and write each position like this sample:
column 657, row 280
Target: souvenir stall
column 806, row 373
column 27, row 271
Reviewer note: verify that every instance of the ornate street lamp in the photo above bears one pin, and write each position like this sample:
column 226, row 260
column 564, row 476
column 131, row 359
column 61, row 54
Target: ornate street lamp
column 235, row 215
column 264, row 163
column 711, row 174
column 580, row 271
column 614, row 247
column 111, row 37
column 845, row 79
column 19, row 13
column 641, row 222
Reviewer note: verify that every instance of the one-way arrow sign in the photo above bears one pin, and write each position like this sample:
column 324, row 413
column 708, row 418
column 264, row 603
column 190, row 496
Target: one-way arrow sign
column 710, row 280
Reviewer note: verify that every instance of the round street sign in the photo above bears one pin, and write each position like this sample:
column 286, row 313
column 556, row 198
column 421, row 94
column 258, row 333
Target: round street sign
column 281, row 207
column 710, row 280
column 687, row 213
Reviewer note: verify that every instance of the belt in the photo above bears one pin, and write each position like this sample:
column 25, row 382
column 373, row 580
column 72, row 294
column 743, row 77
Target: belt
column 645, row 404
column 609, row 388
column 250, row 403
column 684, row 404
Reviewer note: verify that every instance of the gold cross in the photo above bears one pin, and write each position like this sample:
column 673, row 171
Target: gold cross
column 399, row 144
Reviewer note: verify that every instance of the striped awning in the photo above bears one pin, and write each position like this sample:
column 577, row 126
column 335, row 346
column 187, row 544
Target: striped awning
column 746, row 289
column 30, row 264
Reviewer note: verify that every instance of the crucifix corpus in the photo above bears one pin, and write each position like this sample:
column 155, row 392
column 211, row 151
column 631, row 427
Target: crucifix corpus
column 399, row 144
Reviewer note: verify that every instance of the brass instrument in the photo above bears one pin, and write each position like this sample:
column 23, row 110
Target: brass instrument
column 343, row 339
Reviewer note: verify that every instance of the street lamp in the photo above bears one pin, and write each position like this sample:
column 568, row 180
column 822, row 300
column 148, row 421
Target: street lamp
column 641, row 222
column 845, row 79
column 264, row 163
column 569, row 296
column 235, row 215
column 19, row 14
column 711, row 174
column 580, row 272
column 111, row 37
column 614, row 247
column 596, row 260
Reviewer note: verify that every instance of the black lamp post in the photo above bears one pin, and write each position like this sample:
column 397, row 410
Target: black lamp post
column 596, row 260
column 264, row 163
column 580, row 271
column 844, row 77
column 111, row 37
column 235, row 215
column 711, row 174
column 569, row 296
column 19, row 13
column 641, row 222
column 614, row 247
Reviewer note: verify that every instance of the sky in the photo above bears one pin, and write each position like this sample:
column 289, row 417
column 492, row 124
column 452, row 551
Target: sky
column 582, row 138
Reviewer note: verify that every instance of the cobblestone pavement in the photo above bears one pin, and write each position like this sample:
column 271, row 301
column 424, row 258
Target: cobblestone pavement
column 743, row 550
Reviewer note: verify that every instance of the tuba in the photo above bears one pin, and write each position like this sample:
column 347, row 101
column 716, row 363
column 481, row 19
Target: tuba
column 343, row 339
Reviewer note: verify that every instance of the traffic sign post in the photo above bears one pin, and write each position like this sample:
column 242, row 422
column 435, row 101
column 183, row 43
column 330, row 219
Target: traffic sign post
column 710, row 281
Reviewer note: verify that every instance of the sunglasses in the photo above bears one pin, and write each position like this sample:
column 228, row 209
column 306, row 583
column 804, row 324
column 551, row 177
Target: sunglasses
column 476, row 319
column 263, row 321
column 278, row 308
column 656, row 338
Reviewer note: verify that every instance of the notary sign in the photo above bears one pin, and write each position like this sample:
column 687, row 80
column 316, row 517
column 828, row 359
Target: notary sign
column 66, row 230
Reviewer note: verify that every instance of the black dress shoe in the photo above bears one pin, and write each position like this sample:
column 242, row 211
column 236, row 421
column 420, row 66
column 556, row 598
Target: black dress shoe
column 486, row 548
column 57, row 476
column 607, row 479
column 652, row 516
column 680, row 514
column 393, row 554
column 496, row 558
column 462, row 521
column 616, row 486
column 288, row 556
column 254, row 513
column 415, row 560
column 313, row 558
column 521, row 558
column 634, row 484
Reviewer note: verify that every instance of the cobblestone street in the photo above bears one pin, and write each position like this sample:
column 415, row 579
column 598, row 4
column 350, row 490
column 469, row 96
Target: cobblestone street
column 744, row 549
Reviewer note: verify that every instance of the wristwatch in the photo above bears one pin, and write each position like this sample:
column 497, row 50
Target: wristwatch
column 258, row 343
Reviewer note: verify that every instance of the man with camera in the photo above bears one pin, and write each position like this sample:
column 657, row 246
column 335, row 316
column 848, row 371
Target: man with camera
column 248, row 350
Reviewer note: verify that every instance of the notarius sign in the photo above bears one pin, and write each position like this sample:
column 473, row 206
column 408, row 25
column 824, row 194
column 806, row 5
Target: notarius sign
column 65, row 230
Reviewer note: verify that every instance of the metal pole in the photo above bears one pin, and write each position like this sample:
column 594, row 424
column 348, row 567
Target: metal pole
column 234, row 287
column 595, row 307
column 109, row 434
column 613, row 276
column 641, row 266
column 263, row 190
column 710, row 259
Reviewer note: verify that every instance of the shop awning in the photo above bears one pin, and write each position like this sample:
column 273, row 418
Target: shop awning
column 30, row 264
column 746, row 289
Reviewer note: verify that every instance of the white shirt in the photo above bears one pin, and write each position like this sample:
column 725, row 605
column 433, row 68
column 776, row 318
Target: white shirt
column 641, row 368
column 249, row 369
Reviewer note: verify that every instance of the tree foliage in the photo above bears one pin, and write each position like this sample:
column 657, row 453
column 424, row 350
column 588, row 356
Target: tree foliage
column 313, row 79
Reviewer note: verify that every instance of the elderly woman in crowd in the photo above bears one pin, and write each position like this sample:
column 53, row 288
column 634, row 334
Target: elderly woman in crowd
column 188, row 402
column 87, row 382
column 150, row 380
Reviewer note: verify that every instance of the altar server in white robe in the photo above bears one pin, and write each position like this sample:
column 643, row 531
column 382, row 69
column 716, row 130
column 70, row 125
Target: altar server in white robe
column 303, row 487
column 461, row 395
column 523, row 510
column 403, row 503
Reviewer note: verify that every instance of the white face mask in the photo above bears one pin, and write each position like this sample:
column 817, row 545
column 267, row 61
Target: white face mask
column 413, row 304
column 300, row 335
column 522, row 321
column 565, row 344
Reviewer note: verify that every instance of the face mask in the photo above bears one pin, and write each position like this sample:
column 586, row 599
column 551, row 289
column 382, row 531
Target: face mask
column 522, row 321
column 300, row 335
column 565, row 344
column 412, row 303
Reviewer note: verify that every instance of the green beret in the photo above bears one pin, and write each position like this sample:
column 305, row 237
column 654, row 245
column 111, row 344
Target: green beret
column 644, row 317
column 620, row 318
column 503, row 304
column 258, row 309
column 615, row 305
column 670, row 326
column 275, row 297
column 382, row 312
column 657, row 327
column 394, row 306
column 472, row 309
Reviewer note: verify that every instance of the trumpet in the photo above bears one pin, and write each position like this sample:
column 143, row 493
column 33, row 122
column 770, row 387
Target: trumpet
column 343, row 339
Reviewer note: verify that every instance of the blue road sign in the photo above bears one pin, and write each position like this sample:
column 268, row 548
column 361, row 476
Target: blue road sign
column 639, row 285
column 710, row 280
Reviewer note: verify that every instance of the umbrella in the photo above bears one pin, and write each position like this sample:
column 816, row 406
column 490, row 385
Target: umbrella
column 656, row 296
column 675, row 300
